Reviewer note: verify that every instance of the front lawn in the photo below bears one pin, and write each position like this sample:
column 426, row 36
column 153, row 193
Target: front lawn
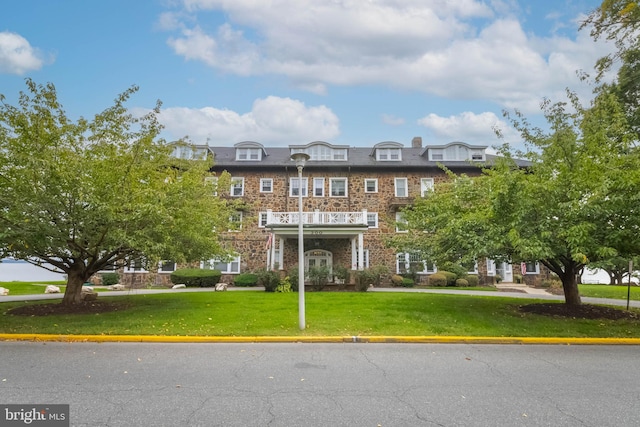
column 327, row 313
column 29, row 288
column 609, row 291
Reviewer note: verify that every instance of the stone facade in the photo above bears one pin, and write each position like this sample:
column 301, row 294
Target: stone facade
column 250, row 163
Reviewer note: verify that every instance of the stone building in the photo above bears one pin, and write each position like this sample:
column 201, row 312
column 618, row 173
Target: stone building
column 351, row 196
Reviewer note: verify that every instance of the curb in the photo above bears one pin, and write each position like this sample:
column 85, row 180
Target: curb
column 320, row 339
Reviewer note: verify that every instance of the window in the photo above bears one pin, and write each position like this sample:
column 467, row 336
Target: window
column 401, row 223
column 365, row 258
column 372, row 219
column 491, row 267
column 318, row 187
column 235, row 221
column 237, row 187
column 426, row 185
column 532, row 268
column 388, row 154
column 135, row 266
column 266, row 185
column 248, row 154
column 166, row 267
column 231, row 267
column 213, row 182
column 407, row 262
column 401, row 187
column 338, row 187
column 371, row 185
column 320, row 152
column 262, row 219
column 294, row 186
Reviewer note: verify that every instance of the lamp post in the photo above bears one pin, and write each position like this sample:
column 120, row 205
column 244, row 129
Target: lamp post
column 300, row 159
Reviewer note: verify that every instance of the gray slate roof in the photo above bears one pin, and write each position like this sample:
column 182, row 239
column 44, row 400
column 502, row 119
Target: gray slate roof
column 358, row 158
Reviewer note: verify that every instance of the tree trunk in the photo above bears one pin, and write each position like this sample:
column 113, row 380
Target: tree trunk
column 73, row 293
column 570, row 286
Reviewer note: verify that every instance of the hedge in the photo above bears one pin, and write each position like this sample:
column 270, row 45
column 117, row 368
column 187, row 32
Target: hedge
column 196, row 277
column 438, row 279
column 246, row 279
column 109, row 279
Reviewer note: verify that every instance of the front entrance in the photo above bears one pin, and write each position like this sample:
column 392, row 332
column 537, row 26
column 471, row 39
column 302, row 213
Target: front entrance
column 318, row 258
column 504, row 270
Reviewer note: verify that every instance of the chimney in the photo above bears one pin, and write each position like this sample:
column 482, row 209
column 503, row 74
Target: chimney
column 416, row 142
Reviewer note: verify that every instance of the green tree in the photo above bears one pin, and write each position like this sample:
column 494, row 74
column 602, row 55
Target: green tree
column 88, row 194
column 572, row 202
column 617, row 21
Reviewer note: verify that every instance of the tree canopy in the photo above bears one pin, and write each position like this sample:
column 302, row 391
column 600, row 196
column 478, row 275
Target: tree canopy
column 574, row 202
column 85, row 195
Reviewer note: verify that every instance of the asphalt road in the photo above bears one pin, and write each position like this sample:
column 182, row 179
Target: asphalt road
column 140, row 384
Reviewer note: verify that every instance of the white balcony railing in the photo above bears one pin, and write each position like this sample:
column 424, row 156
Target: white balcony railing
column 317, row 218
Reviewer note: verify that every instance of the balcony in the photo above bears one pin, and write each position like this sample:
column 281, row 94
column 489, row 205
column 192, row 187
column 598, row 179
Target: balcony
column 317, row 218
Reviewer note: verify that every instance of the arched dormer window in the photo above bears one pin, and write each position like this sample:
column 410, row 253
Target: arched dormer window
column 388, row 151
column 456, row 151
column 249, row 151
column 322, row 151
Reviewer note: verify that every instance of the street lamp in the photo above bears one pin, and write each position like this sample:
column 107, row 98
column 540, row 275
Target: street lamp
column 300, row 159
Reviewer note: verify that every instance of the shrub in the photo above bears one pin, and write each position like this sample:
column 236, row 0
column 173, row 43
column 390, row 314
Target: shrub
column 438, row 280
column 396, row 280
column 319, row 277
column 269, row 279
column 407, row 282
column 293, row 278
column 364, row 278
column 498, row 278
column 473, row 280
column 109, row 279
column 378, row 274
column 196, row 277
column 456, row 269
column 246, row 279
column 517, row 278
column 462, row 283
column 341, row 274
column 450, row 276
column 284, row 286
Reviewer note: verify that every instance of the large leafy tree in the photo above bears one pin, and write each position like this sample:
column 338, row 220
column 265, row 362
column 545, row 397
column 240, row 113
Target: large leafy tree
column 573, row 202
column 85, row 195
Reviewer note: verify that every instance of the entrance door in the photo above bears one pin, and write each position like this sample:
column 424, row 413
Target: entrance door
column 504, row 270
column 318, row 258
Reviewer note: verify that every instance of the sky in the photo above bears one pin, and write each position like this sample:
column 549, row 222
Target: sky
column 281, row 72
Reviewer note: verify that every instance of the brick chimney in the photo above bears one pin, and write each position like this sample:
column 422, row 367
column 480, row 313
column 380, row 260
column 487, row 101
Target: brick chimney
column 416, row 142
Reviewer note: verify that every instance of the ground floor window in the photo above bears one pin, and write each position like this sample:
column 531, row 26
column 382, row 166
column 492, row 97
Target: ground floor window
column 226, row 267
column 408, row 262
column 166, row 267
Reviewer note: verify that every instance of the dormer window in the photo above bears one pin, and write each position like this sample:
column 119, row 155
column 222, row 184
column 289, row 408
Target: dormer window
column 254, row 154
column 322, row 151
column 456, row 152
column 387, row 151
column 388, row 154
column 249, row 151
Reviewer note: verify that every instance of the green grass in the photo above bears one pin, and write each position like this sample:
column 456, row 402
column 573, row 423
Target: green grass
column 30, row 288
column 327, row 313
column 609, row 291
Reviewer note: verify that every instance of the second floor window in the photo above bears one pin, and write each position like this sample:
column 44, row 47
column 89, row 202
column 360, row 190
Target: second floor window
column 372, row 219
column 401, row 187
column 294, row 186
column 318, row 187
column 426, row 185
column 266, row 185
column 338, row 187
column 237, row 187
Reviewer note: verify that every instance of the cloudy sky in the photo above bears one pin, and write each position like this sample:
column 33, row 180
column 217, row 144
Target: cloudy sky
column 354, row 72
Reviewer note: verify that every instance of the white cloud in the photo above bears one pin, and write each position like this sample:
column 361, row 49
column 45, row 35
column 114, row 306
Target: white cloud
column 467, row 49
column 16, row 54
column 272, row 121
column 392, row 120
column 470, row 127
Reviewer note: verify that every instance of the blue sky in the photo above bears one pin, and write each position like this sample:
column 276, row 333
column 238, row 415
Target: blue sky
column 283, row 72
